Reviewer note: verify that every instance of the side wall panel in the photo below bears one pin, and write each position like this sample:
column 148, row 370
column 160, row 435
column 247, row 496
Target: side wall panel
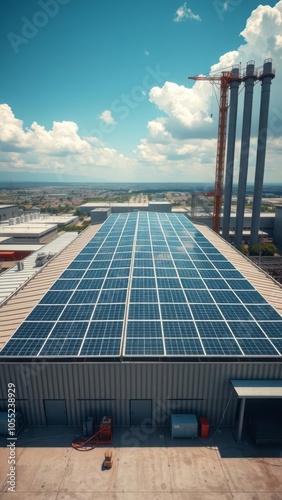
column 95, row 389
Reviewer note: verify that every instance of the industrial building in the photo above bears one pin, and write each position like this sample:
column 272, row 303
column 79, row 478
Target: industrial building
column 8, row 211
column 117, row 208
column 142, row 317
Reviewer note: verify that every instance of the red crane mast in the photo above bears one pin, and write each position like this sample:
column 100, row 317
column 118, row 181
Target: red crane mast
column 224, row 79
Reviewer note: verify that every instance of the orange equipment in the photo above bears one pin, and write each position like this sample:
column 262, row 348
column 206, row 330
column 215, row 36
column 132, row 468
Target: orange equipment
column 103, row 436
column 224, row 79
column 108, row 460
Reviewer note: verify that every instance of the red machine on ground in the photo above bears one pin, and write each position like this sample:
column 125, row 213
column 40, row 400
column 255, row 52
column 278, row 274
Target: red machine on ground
column 103, row 436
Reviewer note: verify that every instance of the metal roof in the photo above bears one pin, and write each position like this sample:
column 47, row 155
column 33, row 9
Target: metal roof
column 12, row 279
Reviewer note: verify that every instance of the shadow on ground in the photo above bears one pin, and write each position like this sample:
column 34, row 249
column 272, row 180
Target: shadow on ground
column 224, row 440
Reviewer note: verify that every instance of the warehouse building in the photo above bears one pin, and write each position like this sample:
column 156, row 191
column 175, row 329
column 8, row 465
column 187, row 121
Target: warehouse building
column 8, row 211
column 141, row 317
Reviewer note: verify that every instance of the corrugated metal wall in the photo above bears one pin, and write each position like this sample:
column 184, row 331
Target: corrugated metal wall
column 106, row 388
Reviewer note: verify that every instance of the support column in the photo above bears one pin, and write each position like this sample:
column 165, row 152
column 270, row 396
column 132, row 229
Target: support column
column 241, row 418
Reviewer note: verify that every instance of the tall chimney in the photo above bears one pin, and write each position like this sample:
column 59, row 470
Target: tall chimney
column 265, row 76
column 249, row 78
column 234, row 88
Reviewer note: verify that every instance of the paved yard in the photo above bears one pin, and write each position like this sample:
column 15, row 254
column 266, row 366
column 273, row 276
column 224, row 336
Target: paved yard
column 147, row 464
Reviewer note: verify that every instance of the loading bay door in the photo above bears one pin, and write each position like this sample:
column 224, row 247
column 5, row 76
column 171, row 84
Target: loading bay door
column 55, row 411
column 140, row 409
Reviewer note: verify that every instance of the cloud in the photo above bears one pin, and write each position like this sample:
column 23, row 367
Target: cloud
column 61, row 140
column 183, row 12
column 60, row 149
column 147, row 53
column 106, row 117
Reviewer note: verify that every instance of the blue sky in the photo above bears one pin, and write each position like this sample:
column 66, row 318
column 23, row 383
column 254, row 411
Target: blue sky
column 99, row 90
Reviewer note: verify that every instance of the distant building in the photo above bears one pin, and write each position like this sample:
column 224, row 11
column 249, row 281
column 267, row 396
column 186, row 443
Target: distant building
column 8, row 211
column 117, row 208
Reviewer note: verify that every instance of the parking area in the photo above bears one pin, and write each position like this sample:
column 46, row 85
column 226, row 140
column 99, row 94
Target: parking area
column 146, row 463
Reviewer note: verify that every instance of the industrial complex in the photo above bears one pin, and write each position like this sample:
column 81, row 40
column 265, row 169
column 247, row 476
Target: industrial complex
column 146, row 315
column 141, row 317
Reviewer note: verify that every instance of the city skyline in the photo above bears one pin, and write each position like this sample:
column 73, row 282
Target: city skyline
column 101, row 92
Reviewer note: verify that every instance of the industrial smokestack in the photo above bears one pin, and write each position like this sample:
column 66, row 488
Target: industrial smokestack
column 249, row 78
column 234, row 88
column 265, row 76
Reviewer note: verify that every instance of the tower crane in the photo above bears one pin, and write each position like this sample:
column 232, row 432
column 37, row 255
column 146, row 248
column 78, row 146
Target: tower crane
column 223, row 80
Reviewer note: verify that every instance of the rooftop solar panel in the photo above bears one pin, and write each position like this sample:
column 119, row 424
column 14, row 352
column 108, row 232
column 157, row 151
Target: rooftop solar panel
column 214, row 329
column 35, row 330
column 69, row 329
column 221, row 347
column 182, row 347
column 61, row 347
column 180, row 329
column 149, row 284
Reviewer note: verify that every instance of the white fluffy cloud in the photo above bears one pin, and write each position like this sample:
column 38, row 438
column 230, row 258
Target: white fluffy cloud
column 60, row 149
column 61, row 140
column 107, row 117
column 183, row 12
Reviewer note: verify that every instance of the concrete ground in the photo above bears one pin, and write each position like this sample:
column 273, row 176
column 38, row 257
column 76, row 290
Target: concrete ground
column 147, row 463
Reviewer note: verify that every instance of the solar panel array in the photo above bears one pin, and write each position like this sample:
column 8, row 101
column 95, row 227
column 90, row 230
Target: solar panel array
column 149, row 284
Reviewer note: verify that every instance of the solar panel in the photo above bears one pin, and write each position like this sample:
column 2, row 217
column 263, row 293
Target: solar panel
column 100, row 347
column 263, row 312
column 35, row 330
column 107, row 312
column 103, row 329
column 61, row 347
column 149, row 284
column 69, row 329
column 234, row 311
column 182, row 347
column 143, row 295
column 273, row 330
column 205, row 311
column 198, row 296
column 215, row 329
column 257, row 347
column 144, row 347
column 65, row 284
column 142, row 329
column 61, row 297
column 246, row 329
column 77, row 313
column 46, row 313
column 143, row 311
column 84, row 297
column 175, row 311
column 180, row 329
column 221, row 347
column 170, row 295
